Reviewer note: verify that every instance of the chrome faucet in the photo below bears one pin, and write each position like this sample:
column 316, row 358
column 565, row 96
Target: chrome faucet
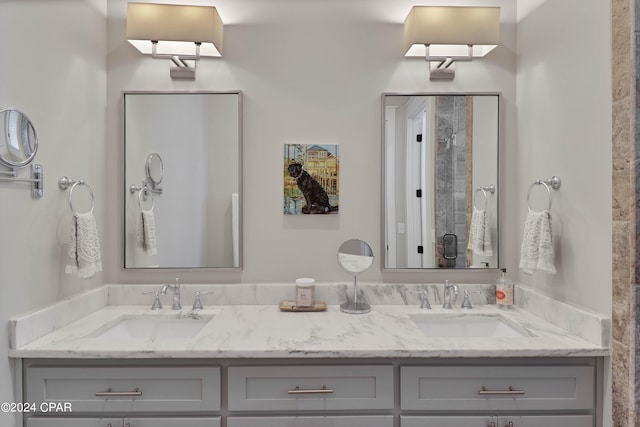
column 176, row 294
column 448, row 288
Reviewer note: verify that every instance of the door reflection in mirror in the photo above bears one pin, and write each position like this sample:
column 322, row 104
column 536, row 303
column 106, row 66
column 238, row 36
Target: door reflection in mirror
column 438, row 148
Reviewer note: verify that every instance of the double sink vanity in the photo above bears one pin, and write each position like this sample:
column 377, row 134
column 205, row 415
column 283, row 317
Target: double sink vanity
column 241, row 362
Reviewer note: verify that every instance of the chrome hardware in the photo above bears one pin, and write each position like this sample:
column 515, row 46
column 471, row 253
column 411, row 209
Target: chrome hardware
column 157, row 305
column 36, row 180
column 492, row 424
column 108, row 393
column 68, row 183
column 176, row 294
column 323, row 390
column 197, row 304
column 127, row 425
column 424, row 299
column 466, row 303
column 510, row 424
column 510, row 391
column 448, row 288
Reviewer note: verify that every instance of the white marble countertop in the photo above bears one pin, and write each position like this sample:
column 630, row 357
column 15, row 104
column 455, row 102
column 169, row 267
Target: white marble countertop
column 263, row 331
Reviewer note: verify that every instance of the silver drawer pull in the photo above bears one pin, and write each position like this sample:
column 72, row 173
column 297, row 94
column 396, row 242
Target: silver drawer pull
column 511, row 391
column 108, row 393
column 323, row 390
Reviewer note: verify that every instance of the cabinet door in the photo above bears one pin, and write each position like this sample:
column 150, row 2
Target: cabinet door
column 172, row 422
column 547, row 421
column 73, row 422
column 449, row 421
column 331, row 421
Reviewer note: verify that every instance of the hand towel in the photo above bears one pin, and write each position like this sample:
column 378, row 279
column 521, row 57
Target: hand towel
column 480, row 233
column 537, row 244
column 146, row 233
column 83, row 254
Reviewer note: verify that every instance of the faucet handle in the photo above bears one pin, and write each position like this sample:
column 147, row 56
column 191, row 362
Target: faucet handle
column 197, row 304
column 424, row 299
column 465, row 302
column 157, row 305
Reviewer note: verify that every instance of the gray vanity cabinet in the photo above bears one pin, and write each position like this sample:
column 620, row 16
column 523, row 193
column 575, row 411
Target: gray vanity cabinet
column 437, row 392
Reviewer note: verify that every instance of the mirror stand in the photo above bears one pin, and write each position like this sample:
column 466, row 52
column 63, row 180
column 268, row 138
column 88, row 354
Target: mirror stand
column 354, row 306
column 355, row 256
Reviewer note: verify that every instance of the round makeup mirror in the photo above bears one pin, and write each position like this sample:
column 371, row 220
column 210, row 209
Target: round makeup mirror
column 355, row 256
column 18, row 142
column 155, row 169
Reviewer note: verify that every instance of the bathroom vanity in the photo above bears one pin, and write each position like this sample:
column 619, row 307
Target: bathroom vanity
column 253, row 365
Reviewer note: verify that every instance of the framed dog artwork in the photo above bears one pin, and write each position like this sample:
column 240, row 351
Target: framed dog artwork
column 311, row 179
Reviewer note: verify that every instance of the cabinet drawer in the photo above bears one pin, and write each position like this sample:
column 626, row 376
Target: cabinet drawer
column 497, row 387
column 123, row 422
column 310, row 388
column 73, row 422
column 126, row 389
column 499, row 421
column 449, row 421
column 333, row 421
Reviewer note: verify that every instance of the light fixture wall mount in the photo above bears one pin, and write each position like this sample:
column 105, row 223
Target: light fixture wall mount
column 444, row 35
column 181, row 33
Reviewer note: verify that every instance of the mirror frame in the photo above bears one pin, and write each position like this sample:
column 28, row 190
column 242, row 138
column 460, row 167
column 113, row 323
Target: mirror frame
column 498, row 192
column 18, row 165
column 161, row 271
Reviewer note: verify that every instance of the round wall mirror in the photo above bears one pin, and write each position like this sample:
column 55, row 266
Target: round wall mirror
column 155, row 169
column 355, row 256
column 18, row 143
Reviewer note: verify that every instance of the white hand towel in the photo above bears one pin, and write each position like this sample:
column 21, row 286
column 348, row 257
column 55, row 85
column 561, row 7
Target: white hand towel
column 537, row 244
column 83, row 255
column 146, row 233
column 480, row 233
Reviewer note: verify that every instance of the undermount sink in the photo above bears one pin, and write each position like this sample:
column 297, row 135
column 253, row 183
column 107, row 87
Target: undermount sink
column 151, row 327
column 467, row 326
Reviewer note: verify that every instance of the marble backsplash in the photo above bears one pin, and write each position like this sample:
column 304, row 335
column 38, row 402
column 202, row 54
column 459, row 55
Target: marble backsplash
column 30, row 326
column 274, row 293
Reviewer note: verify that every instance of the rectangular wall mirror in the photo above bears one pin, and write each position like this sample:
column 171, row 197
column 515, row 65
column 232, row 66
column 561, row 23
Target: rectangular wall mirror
column 441, row 180
column 182, row 180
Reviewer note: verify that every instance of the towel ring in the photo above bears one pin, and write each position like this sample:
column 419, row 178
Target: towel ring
column 143, row 196
column 484, row 193
column 538, row 182
column 73, row 186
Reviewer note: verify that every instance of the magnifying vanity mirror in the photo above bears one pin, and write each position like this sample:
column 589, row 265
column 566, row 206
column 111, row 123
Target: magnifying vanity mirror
column 355, row 256
column 19, row 143
column 440, row 180
column 191, row 143
column 155, row 171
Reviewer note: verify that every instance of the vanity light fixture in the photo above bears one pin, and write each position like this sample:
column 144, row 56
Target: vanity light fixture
column 446, row 34
column 180, row 33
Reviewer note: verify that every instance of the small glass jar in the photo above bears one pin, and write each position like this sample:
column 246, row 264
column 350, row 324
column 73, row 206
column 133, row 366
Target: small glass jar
column 304, row 292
